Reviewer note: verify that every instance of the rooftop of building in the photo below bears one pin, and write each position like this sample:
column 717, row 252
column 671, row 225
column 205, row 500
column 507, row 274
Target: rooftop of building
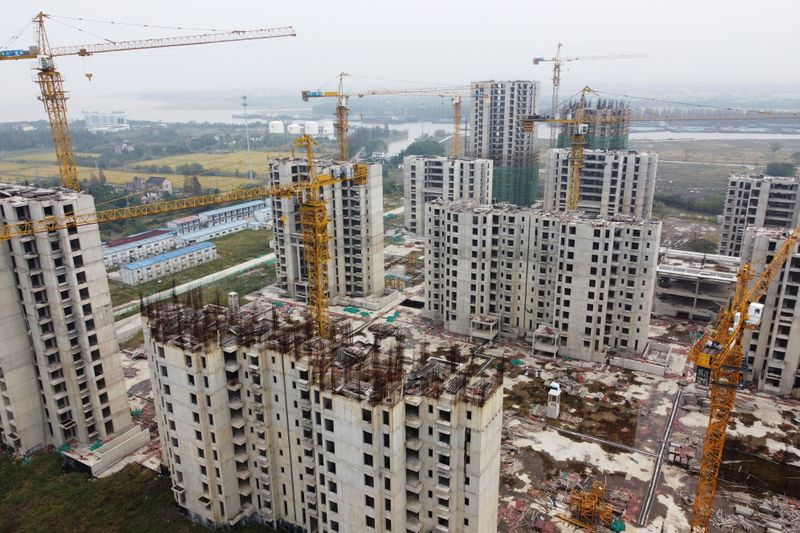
column 382, row 362
column 466, row 206
column 168, row 255
column 210, row 230
column 156, row 180
column 696, row 264
column 229, row 208
column 591, row 151
column 445, row 158
column 138, row 238
column 185, row 220
column 765, row 177
column 10, row 191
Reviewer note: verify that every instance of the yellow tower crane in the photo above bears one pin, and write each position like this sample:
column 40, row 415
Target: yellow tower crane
column 721, row 350
column 314, row 221
column 557, row 60
column 342, row 108
column 51, row 83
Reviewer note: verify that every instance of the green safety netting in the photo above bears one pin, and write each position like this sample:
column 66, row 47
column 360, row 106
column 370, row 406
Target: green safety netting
column 351, row 309
column 515, row 184
column 136, row 412
column 617, row 525
column 96, row 445
column 518, row 362
column 365, row 314
column 63, row 448
column 278, row 304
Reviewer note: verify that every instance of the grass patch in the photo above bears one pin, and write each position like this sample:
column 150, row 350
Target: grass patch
column 232, row 249
column 39, row 496
column 133, row 342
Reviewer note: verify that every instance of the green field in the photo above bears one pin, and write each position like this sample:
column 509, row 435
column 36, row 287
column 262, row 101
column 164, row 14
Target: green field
column 39, row 496
column 232, row 250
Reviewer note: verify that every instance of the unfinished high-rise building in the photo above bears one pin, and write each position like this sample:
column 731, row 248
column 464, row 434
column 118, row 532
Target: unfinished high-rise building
column 356, row 229
column 608, row 122
column 759, row 201
column 582, row 285
column 262, row 422
column 61, row 376
column 613, row 182
column 498, row 110
column 426, row 178
column 772, row 350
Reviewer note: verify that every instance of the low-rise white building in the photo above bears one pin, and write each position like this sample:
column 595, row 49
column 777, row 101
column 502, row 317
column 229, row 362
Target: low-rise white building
column 136, row 247
column 692, row 285
column 212, row 232
column 185, row 224
column 168, row 263
column 232, row 213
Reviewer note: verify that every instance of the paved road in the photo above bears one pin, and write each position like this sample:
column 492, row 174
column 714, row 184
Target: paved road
column 205, row 280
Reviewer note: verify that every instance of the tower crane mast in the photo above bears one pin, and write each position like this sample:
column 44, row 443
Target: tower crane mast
column 721, row 350
column 343, row 109
column 51, row 84
column 557, row 60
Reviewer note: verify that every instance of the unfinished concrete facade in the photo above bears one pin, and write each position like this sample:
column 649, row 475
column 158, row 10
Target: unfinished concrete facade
column 773, row 350
column 356, row 228
column 692, row 285
column 582, row 284
column 760, row 201
column 609, row 123
column 498, row 110
column 261, row 422
column 613, row 182
column 426, row 178
column 60, row 371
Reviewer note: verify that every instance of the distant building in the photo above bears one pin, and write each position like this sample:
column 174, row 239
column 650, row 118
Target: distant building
column 212, row 232
column 157, row 186
column 232, row 213
column 758, row 201
column 579, row 284
column 693, row 286
column 613, row 182
column 498, row 110
column 135, row 185
column 185, row 224
column 356, row 246
column 105, row 122
column 426, row 178
column 608, row 121
column 772, row 350
column 136, row 247
column 168, row 263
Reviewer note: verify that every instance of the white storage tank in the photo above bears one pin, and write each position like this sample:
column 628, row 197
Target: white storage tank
column 312, row 128
column 276, row 126
column 328, row 129
column 294, row 129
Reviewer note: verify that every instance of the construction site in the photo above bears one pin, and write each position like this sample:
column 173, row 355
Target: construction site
column 494, row 362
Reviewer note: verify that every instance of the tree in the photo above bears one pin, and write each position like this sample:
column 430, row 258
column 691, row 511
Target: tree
column 425, row 147
column 189, row 169
column 780, row 169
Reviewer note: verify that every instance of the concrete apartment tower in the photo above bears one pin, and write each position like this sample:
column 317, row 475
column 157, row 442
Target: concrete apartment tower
column 772, row 351
column 426, row 178
column 498, row 109
column 609, row 124
column 759, row 201
column 356, row 227
column 60, row 371
column 260, row 422
column 613, row 182
column 581, row 284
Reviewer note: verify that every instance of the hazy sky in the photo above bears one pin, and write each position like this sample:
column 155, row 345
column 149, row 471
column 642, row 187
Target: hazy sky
column 698, row 44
